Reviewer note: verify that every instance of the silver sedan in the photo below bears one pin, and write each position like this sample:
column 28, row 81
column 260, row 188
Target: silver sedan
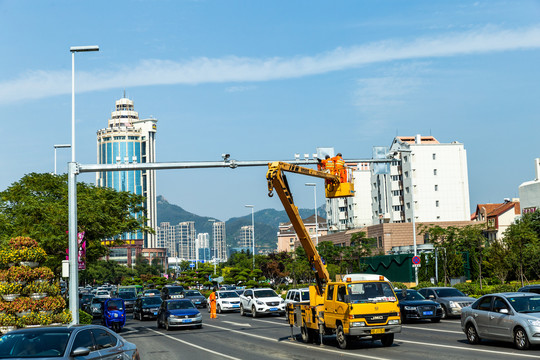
column 510, row 317
column 66, row 342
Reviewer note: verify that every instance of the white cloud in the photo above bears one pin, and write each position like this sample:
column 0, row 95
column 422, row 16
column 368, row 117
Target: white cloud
column 41, row 84
column 233, row 89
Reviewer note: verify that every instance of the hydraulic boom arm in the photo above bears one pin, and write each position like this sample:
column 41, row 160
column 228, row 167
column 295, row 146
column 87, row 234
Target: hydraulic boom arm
column 277, row 180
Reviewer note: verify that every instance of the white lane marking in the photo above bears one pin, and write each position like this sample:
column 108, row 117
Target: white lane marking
column 520, row 354
column 430, row 329
column 316, row 348
column 195, row 346
column 238, row 324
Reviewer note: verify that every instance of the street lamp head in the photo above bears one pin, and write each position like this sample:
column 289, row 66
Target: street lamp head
column 311, row 184
column 249, row 206
column 84, row 48
column 62, row 146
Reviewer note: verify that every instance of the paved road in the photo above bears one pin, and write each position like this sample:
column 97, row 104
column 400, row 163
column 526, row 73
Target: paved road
column 232, row 336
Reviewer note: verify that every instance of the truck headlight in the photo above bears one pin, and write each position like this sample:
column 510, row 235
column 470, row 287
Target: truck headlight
column 393, row 322
column 357, row 323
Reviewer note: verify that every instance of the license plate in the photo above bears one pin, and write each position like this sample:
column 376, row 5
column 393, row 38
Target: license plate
column 428, row 312
column 377, row 331
column 155, row 312
column 186, row 320
column 235, row 306
column 273, row 309
column 197, row 302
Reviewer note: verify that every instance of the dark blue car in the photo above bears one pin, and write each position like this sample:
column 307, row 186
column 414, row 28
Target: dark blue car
column 414, row 306
column 178, row 313
column 114, row 314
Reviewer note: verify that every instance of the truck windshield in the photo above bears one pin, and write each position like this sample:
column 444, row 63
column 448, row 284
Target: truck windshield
column 370, row 292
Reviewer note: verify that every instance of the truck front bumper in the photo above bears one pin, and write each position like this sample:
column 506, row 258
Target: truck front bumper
column 374, row 330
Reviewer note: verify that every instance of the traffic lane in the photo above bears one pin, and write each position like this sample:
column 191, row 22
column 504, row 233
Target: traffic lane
column 443, row 340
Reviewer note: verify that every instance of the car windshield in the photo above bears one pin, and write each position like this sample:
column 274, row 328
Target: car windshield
column 127, row 294
column 34, row 344
column 410, row 295
column 450, row 292
column 176, row 290
column 265, row 293
column 370, row 292
column 180, row 305
column 228, row 294
column 151, row 301
column 525, row 304
column 98, row 300
column 193, row 293
column 115, row 305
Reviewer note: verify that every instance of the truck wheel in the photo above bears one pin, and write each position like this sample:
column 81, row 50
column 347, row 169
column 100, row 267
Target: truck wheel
column 342, row 339
column 307, row 335
column 242, row 311
column 387, row 340
column 253, row 312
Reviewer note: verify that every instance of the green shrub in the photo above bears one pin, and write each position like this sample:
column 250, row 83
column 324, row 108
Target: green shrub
column 85, row 318
column 399, row 285
column 423, row 284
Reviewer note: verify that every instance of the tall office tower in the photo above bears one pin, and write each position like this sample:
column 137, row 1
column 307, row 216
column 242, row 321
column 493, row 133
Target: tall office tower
column 202, row 247
column 426, row 180
column 127, row 139
column 185, row 240
column 166, row 238
column 246, row 236
column 352, row 212
column 219, row 237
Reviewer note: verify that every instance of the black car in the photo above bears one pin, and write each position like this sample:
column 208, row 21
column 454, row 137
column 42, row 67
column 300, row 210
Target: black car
column 196, row 298
column 172, row 292
column 67, row 342
column 129, row 298
column 85, row 300
column 530, row 289
column 146, row 307
column 414, row 306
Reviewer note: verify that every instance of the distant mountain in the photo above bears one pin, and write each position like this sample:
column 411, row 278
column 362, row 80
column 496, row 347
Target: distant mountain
column 266, row 222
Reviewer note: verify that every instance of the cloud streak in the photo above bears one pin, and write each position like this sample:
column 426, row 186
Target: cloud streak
column 233, row 69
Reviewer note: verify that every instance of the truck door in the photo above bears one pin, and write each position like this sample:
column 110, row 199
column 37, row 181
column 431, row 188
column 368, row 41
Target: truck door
column 330, row 308
column 341, row 307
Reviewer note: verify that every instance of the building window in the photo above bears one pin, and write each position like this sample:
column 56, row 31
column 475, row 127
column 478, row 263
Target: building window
column 405, row 158
column 436, row 187
column 408, row 206
column 434, row 171
column 406, row 174
column 436, row 203
column 407, row 189
column 434, row 156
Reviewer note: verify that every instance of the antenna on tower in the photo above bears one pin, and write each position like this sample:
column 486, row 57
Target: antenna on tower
column 124, row 93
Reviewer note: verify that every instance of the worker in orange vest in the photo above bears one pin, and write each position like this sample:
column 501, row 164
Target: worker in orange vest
column 321, row 166
column 339, row 167
column 212, row 300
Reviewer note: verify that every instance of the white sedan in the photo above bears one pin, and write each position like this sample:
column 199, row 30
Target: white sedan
column 226, row 300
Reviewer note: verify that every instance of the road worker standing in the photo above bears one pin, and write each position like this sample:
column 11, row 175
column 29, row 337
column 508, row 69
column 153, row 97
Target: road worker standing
column 212, row 300
column 339, row 167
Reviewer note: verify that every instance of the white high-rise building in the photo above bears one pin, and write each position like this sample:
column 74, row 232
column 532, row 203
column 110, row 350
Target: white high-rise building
column 246, row 237
column 202, row 247
column 219, row 238
column 166, row 238
column 430, row 182
column 185, row 240
column 352, row 212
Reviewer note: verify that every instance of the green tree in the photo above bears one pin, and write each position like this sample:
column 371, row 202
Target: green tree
column 37, row 206
column 521, row 240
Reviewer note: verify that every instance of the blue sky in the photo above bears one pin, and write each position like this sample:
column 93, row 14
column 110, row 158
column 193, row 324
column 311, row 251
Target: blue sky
column 263, row 80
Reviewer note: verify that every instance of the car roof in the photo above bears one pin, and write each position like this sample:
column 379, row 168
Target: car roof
column 56, row 328
column 177, row 300
column 439, row 287
column 512, row 294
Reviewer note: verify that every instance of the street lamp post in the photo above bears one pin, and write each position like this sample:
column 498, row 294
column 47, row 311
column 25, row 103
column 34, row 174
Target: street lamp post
column 59, row 146
column 252, row 232
column 316, row 220
column 72, row 202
